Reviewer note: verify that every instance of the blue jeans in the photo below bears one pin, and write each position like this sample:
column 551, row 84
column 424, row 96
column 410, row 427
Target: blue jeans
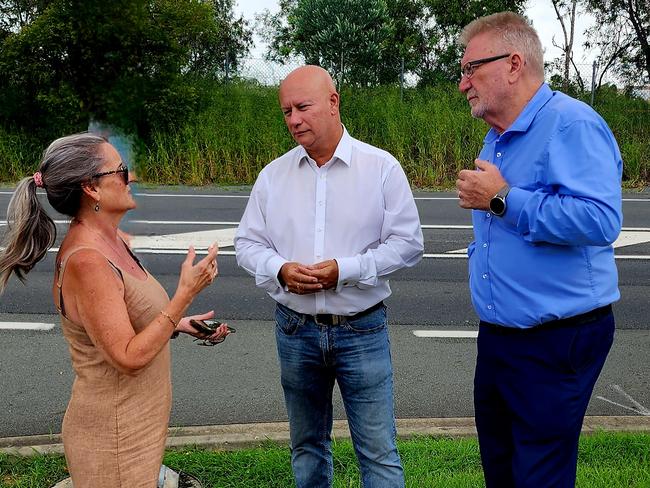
column 356, row 354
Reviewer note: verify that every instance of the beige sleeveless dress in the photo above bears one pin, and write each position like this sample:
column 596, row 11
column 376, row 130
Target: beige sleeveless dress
column 115, row 426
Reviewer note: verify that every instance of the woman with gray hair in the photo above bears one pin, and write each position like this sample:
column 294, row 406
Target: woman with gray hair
column 116, row 317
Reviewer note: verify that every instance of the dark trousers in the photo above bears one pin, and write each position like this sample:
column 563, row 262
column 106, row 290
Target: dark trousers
column 531, row 391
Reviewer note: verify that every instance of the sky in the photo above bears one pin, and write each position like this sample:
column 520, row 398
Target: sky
column 540, row 11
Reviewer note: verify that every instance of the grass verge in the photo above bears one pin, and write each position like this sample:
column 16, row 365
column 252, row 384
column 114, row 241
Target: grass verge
column 606, row 460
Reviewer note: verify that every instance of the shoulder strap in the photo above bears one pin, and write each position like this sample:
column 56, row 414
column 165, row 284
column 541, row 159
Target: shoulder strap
column 61, row 270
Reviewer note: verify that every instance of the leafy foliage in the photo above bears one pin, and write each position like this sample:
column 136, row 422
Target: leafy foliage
column 622, row 32
column 129, row 63
column 447, row 19
column 364, row 41
column 352, row 39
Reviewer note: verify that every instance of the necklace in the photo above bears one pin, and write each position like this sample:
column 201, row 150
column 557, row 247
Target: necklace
column 99, row 234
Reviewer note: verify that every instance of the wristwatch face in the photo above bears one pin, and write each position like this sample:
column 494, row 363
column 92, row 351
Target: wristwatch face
column 498, row 206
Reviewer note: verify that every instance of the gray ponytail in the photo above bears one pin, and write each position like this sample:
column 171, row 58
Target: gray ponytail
column 30, row 233
column 67, row 163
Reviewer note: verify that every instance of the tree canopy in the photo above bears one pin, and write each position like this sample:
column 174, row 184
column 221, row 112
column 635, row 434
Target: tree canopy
column 622, row 32
column 364, row 41
column 129, row 63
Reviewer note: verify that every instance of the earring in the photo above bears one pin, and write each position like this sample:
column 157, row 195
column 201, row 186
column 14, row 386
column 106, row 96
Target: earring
column 97, row 207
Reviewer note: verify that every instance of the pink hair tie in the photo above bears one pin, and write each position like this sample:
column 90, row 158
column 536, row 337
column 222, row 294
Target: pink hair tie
column 38, row 179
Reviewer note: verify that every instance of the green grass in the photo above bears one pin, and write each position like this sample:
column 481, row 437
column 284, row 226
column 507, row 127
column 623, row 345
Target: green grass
column 241, row 129
column 607, row 460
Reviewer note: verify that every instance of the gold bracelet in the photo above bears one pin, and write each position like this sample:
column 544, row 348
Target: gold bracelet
column 165, row 314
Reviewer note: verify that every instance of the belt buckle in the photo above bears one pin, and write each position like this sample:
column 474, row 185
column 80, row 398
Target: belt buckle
column 327, row 319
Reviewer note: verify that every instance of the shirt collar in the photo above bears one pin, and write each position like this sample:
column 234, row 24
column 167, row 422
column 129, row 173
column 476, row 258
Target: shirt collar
column 342, row 152
column 527, row 115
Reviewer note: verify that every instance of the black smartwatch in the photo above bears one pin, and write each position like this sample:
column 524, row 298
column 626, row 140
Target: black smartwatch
column 498, row 201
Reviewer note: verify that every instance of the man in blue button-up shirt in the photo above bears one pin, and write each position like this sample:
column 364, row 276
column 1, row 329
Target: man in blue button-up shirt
column 546, row 200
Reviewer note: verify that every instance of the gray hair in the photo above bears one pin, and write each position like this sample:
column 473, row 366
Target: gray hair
column 67, row 163
column 514, row 32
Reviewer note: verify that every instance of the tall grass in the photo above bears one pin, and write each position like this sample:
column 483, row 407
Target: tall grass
column 629, row 120
column 229, row 143
column 430, row 131
column 19, row 155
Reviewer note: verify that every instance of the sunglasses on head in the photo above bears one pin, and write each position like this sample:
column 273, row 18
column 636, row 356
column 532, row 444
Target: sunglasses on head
column 122, row 169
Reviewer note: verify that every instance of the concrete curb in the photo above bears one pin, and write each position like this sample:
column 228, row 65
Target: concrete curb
column 237, row 436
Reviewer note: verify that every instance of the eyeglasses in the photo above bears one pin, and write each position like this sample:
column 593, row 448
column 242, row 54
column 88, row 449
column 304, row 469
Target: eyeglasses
column 122, row 169
column 470, row 67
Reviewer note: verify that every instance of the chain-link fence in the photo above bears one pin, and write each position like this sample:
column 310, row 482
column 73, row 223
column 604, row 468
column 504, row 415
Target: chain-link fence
column 584, row 77
column 266, row 72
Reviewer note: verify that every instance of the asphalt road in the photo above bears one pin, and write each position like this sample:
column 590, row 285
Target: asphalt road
column 238, row 380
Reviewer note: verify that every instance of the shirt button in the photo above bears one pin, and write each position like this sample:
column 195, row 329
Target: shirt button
column 320, row 203
column 485, row 276
column 489, row 307
column 488, row 215
column 485, row 244
column 320, row 230
column 498, row 155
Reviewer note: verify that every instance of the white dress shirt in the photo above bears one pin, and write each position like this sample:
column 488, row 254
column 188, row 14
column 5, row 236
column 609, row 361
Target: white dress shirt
column 357, row 208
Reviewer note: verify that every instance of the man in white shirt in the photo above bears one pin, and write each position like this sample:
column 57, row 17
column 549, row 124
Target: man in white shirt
column 325, row 225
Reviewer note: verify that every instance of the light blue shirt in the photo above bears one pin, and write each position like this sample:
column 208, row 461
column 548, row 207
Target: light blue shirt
column 550, row 256
column 357, row 208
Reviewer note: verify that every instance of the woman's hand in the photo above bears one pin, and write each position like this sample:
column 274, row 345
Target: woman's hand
column 220, row 332
column 195, row 277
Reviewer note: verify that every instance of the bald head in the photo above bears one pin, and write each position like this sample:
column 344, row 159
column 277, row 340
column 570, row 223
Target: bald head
column 310, row 104
column 313, row 76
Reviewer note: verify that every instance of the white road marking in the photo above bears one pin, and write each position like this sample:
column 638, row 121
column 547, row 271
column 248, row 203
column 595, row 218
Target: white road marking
column 188, row 195
column 636, row 406
column 201, row 251
column 626, row 238
column 444, row 226
column 632, row 238
column 201, row 239
column 25, row 326
column 180, row 252
column 455, row 334
column 182, row 222
column 179, row 243
column 200, row 195
column 641, row 230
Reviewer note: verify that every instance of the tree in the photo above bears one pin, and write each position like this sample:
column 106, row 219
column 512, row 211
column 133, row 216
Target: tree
column 16, row 14
column 370, row 37
column 226, row 43
column 565, row 11
column 629, row 22
column 446, row 19
column 129, row 63
column 352, row 39
column 612, row 42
